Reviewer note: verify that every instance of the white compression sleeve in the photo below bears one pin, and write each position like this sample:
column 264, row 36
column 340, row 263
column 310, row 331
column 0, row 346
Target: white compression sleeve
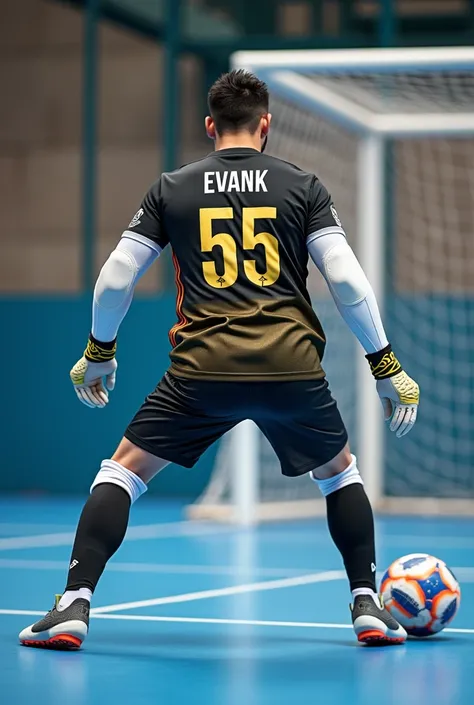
column 114, row 289
column 350, row 288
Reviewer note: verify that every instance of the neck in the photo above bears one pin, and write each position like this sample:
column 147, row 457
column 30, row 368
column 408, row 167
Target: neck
column 241, row 139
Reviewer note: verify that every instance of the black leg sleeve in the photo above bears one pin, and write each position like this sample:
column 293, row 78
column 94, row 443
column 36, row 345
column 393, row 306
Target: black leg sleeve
column 351, row 525
column 100, row 532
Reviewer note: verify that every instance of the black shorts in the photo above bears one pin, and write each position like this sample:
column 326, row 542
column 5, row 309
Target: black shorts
column 183, row 417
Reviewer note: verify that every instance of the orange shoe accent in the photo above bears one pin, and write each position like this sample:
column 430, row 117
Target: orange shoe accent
column 376, row 636
column 60, row 641
column 371, row 634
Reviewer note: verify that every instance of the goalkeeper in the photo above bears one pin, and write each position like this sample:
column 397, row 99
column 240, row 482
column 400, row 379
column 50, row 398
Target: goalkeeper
column 247, row 344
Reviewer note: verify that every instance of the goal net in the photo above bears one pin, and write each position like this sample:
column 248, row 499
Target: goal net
column 391, row 134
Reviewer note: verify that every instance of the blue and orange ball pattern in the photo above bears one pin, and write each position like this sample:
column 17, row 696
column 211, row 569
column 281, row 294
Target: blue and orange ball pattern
column 422, row 593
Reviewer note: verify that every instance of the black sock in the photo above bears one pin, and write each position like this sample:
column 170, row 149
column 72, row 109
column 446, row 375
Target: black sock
column 351, row 525
column 100, row 532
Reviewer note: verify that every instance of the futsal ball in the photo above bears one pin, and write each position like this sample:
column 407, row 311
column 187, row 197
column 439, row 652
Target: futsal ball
column 421, row 593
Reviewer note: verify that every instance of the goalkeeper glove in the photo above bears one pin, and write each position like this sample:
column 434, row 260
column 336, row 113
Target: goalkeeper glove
column 87, row 374
column 399, row 394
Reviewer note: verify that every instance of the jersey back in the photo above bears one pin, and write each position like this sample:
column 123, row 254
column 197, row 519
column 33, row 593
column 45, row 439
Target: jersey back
column 237, row 221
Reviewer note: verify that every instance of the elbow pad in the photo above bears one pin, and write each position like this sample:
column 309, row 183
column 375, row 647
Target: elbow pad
column 344, row 275
column 116, row 279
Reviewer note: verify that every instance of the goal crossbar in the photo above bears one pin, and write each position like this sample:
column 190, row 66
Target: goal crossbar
column 432, row 59
column 357, row 117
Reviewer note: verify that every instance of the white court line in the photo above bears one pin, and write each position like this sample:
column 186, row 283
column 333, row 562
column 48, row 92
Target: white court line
column 300, row 536
column 161, row 568
column 38, row 541
column 135, row 533
column 190, row 528
column 224, row 592
column 20, row 526
column 464, row 574
column 206, row 620
column 458, row 542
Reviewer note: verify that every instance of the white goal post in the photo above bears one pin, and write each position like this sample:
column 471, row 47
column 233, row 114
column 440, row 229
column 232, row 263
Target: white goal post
column 391, row 133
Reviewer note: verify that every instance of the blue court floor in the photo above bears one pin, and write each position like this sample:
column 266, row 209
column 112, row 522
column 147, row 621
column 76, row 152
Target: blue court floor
column 207, row 614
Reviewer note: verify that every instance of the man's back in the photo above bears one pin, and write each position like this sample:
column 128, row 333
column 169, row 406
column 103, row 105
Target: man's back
column 237, row 222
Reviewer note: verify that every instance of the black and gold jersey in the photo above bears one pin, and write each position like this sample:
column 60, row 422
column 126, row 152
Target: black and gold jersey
column 237, row 221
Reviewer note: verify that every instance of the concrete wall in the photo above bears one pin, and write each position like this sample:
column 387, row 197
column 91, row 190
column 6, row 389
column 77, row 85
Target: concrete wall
column 40, row 138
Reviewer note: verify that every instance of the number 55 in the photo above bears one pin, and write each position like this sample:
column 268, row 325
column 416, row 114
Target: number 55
column 229, row 247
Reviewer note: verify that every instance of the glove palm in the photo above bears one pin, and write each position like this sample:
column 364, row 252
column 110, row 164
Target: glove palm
column 400, row 396
column 87, row 378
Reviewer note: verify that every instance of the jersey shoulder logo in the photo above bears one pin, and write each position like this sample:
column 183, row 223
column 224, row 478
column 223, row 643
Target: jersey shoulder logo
column 335, row 215
column 136, row 218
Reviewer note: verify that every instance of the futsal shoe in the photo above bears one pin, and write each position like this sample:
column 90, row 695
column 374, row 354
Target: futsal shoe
column 63, row 630
column 373, row 624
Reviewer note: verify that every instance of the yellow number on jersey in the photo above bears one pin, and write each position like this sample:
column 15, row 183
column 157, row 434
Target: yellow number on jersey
column 226, row 241
column 270, row 243
column 229, row 247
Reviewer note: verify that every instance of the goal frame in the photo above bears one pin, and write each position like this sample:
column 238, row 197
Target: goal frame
column 285, row 74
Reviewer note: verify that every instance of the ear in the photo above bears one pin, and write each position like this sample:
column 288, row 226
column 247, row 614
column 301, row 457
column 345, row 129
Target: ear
column 210, row 128
column 265, row 124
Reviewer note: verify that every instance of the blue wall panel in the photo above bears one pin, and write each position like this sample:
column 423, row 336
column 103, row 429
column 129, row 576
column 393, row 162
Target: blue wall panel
column 49, row 440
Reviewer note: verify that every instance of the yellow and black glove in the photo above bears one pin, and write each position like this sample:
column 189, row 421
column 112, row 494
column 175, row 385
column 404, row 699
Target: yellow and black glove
column 399, row 393
column 87, row 375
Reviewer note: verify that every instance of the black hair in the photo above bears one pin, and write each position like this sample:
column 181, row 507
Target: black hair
column 237, row 101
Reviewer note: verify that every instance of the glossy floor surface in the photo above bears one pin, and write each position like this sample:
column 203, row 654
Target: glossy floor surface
column 206, row 614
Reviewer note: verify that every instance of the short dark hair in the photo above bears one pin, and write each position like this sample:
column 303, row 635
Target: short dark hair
column 237, row 101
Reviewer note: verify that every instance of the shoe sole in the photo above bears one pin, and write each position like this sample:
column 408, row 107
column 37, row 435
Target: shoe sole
column 60, row 642
column 67, row 635
column 374, row 637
